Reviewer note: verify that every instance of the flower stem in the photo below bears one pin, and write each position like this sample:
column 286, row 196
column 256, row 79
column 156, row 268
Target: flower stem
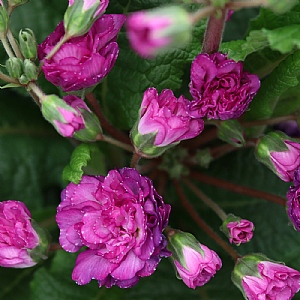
column 209, row 202
column 135, row 160
column 8, row 79
column 271, row 121
column 103, row 121
column 57, row 47
column 55, row 247
column 195, row 216
column 112, row 141
column 7, row 47
column 214, row 32
column 220, row 183
column 14, row 44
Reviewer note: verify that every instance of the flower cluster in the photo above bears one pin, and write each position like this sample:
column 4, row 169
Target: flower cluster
column 120, row 219
column 220, row 87
column 83, row 61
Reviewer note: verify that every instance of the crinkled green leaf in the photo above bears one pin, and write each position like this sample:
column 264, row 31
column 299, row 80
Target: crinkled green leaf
column 81, row 162
column 276, row 84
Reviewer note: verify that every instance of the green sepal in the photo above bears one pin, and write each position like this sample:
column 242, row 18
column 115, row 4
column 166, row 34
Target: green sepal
column 40, row 252
column 231, row 132
column 78, row 21
column 144, row 143
column 271, row 142
column 92, row 127
column 178, row 240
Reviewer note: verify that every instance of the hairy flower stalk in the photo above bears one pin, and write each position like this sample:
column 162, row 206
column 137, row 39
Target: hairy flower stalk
column 119, row 219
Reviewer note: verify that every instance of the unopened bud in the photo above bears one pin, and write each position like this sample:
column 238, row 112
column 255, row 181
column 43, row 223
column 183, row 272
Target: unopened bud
column 14, row 67
column 30, row 70
column 28, row 44
column 81, row 14
column 158, row 30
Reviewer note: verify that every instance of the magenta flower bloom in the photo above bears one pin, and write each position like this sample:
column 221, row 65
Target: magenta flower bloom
column 293, row 203
column 220, row 88
column 286, row 162
column 120, row 219
column 154, row 31
column 277, row 282
column 83, row 61
column 259, row 278
column 164, row 119
column 240, row 231
column 200, row 268
column 18, row 237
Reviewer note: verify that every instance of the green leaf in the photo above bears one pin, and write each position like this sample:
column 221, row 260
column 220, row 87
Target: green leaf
column 81, row 161
column 276, row 84
column 283, row 39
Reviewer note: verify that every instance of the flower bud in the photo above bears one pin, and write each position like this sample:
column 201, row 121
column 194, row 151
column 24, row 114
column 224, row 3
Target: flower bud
column 280, row 153
column 30, row 70
column 159, row 30
column 231, row 131
column 22, row 242
column 81, row 14
column 238, row 230
column 14, row 67
column 163, row 122
column 279, row 6
column 3, row 21
column 66, row 119
column 258, row 277
column 195, row 263
column 28, row 44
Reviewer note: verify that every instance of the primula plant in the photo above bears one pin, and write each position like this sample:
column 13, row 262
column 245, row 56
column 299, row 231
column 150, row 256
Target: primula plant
column 150, row 149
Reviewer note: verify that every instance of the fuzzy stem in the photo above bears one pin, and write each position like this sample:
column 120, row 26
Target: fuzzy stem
column 55, row 247
column 8, row 79
column 271, row 121
column 195, row 216
column 7, row 47
column 108, row 139
column 209, row 202
column 14, row 44
column 214, row 32
column 57, row 47
column 220, row 183
column 103, row 121
column 32, row 86
column 135, row 160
